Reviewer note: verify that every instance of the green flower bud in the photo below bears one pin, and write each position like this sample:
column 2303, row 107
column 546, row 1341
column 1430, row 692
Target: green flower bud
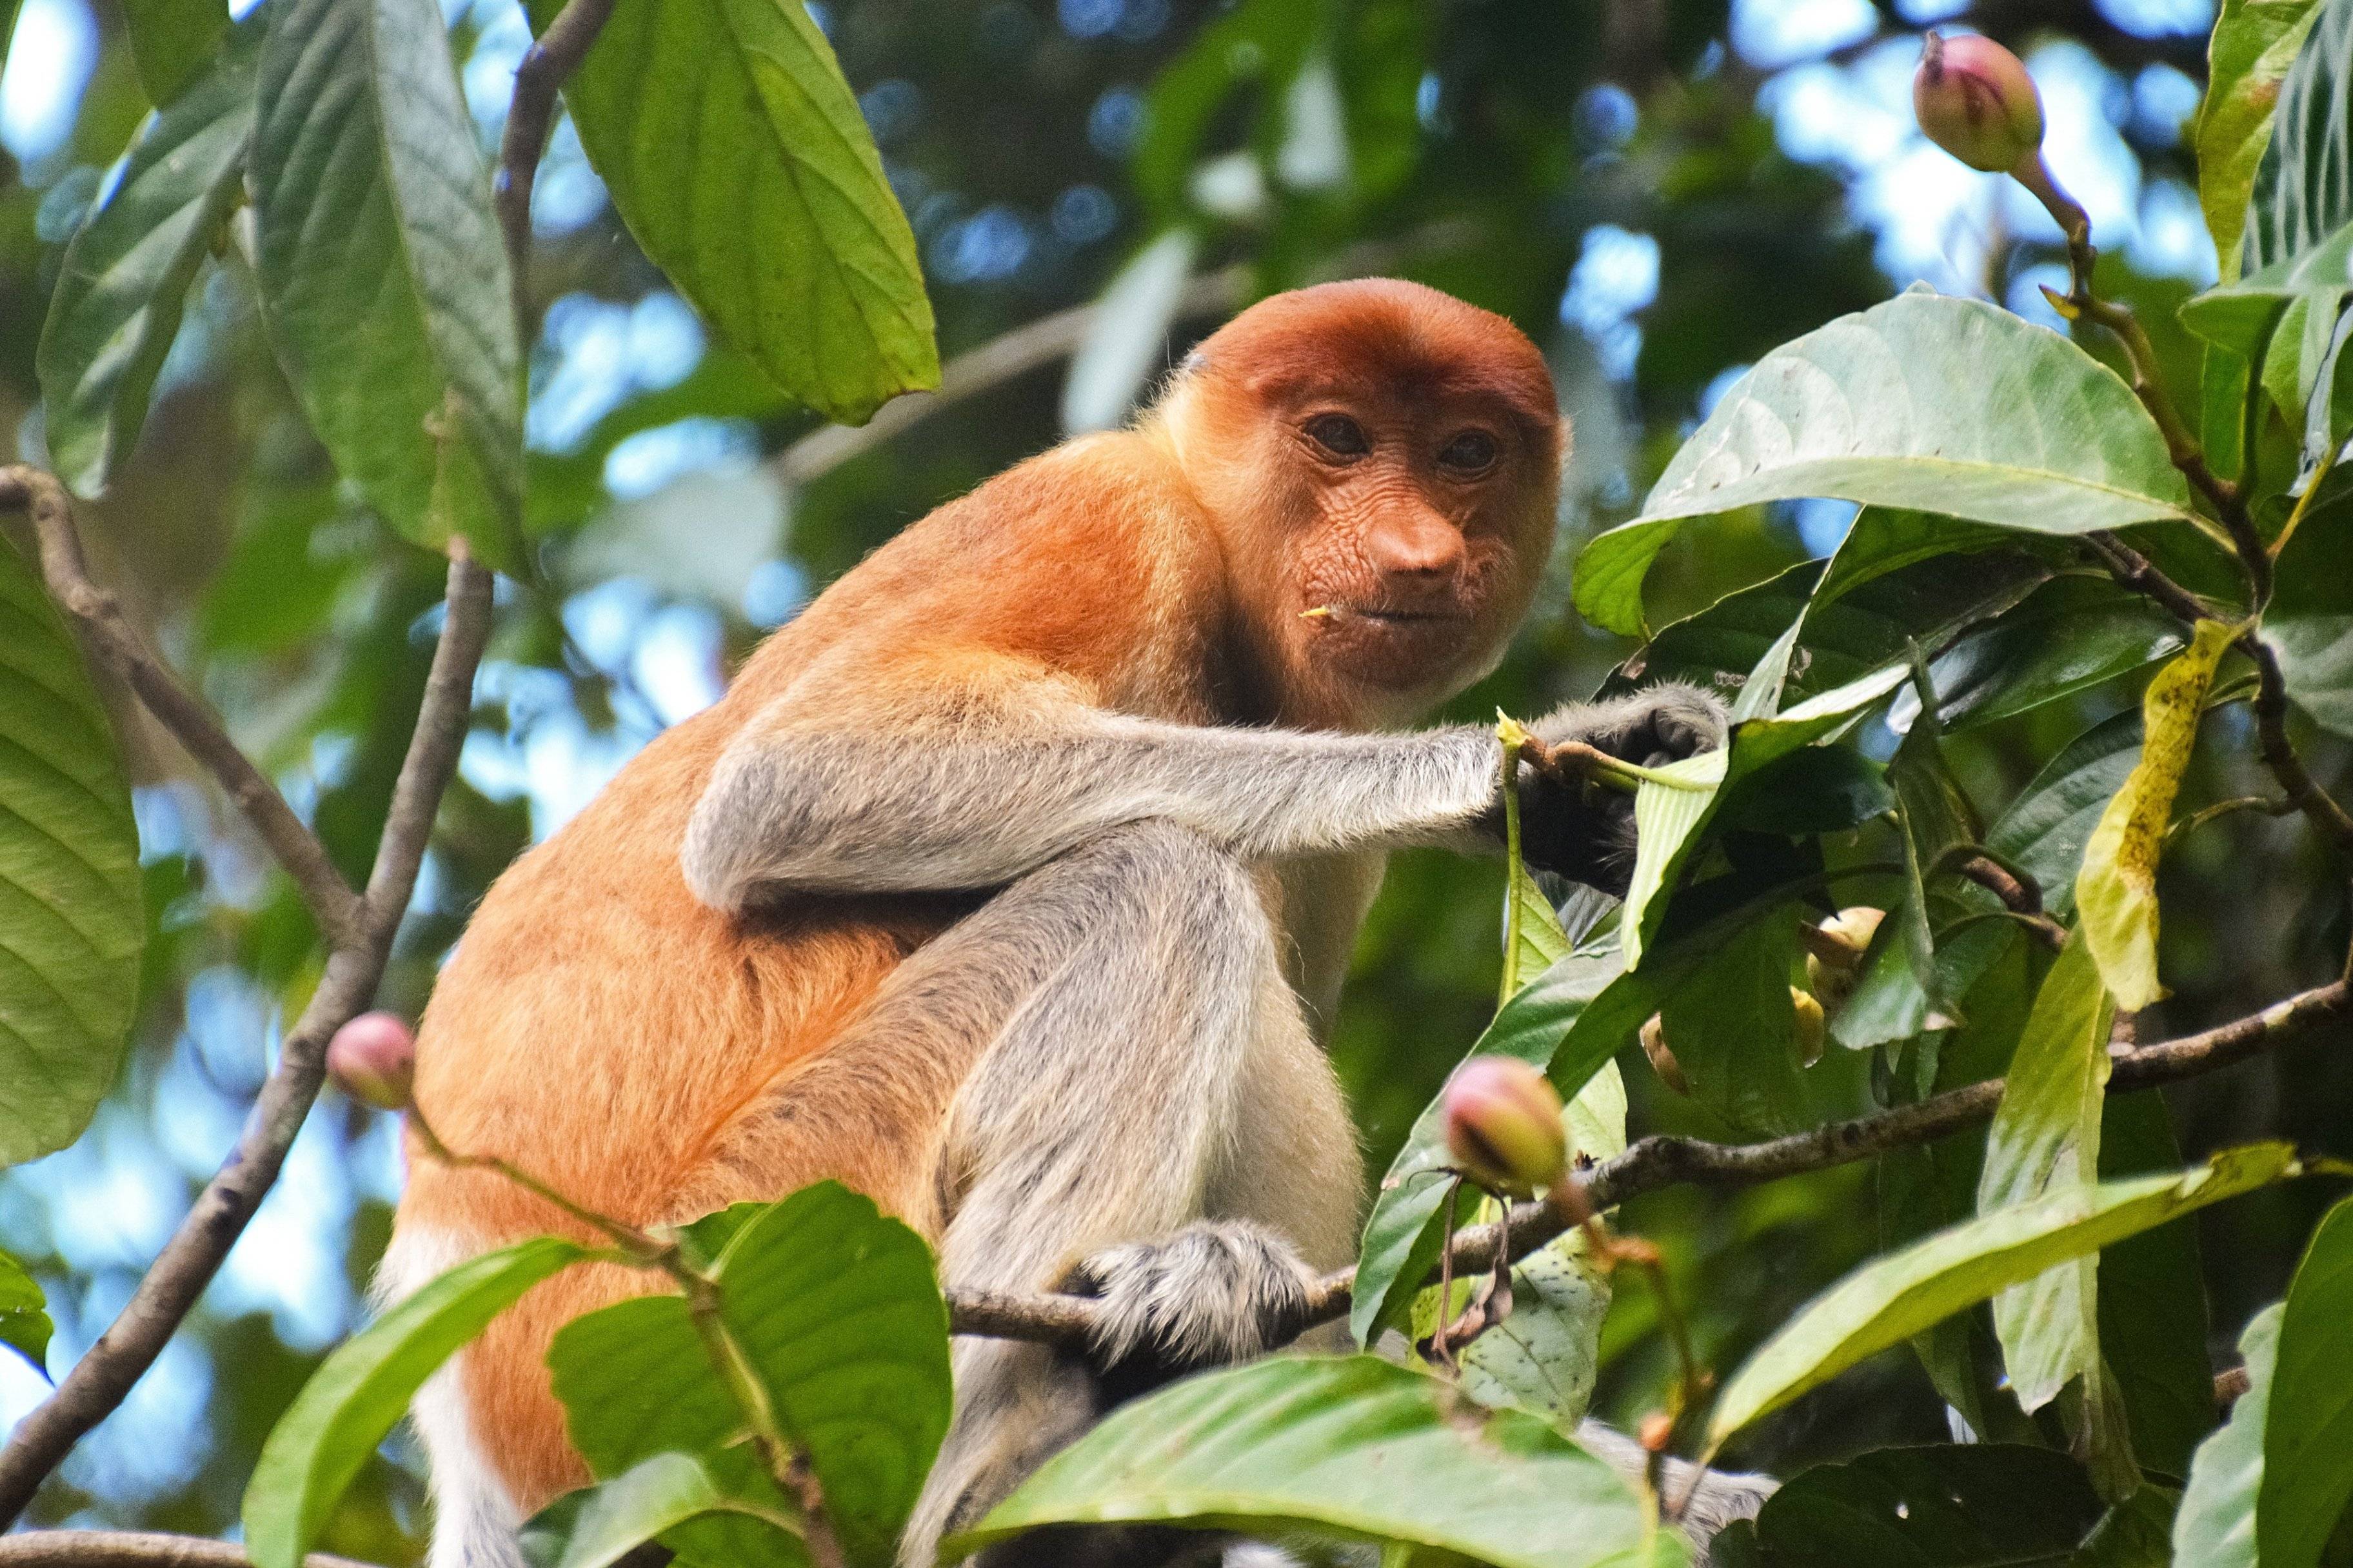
column 373, row 1059
column 1975, row 101
column 1502, row 1125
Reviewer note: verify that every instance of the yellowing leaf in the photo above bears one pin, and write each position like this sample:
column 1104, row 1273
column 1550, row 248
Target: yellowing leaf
column 2116, row 892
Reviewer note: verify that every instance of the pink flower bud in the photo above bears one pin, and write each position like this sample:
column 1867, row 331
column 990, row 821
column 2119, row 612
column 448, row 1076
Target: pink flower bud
column 1502, row 1124
column 373, row 1060
column 1975, row 101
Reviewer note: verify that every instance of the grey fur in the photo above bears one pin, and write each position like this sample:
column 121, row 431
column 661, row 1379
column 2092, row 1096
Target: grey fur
column 1146, row 1114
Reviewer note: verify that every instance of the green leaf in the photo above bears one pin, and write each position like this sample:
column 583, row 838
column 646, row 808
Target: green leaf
column 2045, row 1143
column 353, row 1400
column 2044, row 830
column 1351, row 1448
column 71, row 924
column 839, row 1309
column 2153, row 1326
column 1888, row 539
column 1937, row 818
column 1607, row 585
column 2303, row 190
column 1262, row 43
column 172, row 41
column 1731, row 1028
column 636, row 1382
column 23, row 1314
column 1989, row 1505
column 737, row 154
column 600, row 1525
column 1935, row 403
column 1668, row 810
column 1890, row 1300
column 126, row 271
column 2215, row 1525
column 2137, row 1532
column 2308, row 1430
column 2069, row 634
column 384, row 280
column 2117, row 888
column 2254, row 42
column 1544, row 1357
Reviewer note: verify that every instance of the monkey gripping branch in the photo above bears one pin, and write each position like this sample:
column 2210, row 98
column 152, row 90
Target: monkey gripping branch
column 783, row 1390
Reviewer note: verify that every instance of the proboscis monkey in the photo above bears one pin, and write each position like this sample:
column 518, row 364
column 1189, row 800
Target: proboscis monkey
column 1013, row 884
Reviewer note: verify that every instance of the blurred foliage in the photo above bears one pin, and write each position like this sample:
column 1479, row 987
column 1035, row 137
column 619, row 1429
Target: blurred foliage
column 1637, row 184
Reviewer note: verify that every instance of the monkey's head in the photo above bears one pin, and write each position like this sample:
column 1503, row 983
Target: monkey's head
column 1382, row 463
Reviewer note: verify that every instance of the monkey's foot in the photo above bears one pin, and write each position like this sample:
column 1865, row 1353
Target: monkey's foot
column 1217, row 1293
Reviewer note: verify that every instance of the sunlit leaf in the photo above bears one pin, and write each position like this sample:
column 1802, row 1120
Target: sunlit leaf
column 1927, row 402
column 353, row 1402
column 1353, row 1449
column 2254, row 42
column 737, row 154
column 23, row 1314
column 384, row 280
column 2215, row 1525
column 2308, row 1430
column 125, row 273
column 70, row 922
column 1667, row 812
column 1888, row 1301
column 1544, row 1357
column 2117, row 888
column 2045, row 1143
column 601, row 1525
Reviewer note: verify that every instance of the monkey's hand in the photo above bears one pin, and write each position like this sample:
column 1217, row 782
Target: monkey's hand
column 1217, row 1293
column 1585, row 830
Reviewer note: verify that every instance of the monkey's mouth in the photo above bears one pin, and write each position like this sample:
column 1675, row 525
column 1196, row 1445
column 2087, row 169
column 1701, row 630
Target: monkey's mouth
column 1389, row 615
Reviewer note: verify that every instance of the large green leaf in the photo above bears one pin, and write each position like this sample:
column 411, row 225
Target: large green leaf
column 2303, row 190
column 839, row 1309
column 2153, row 1323
column 1989, row 1505
column 2254, row 42
column 2116, row 891
column 2308, row 1431
column 353, row 1402
column 1351, row 1448
column 2310, row 622
column 2045, row 829
column 383, row 279
column 1731, row 1027
column 735, row 152
column 2215, row 1526
column 1888, row 1301
column 71, row 922
column 600, row 1525
column 2071, row 632
column 2045, row 1142
column 636, row 1382
column 24, row 1313
column 1927, row 402
column 126, row 271
column 171, row 42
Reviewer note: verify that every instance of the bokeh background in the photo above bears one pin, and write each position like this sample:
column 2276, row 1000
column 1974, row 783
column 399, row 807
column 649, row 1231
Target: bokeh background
column 1659, row 191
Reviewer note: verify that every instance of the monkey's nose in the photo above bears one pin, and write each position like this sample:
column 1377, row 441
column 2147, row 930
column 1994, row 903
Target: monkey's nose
column 1417, row 548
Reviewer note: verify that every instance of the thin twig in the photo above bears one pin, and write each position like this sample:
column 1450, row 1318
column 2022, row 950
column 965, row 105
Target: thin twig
column 135, row 1549
column 109, row 636
column 545, row 67
column 1660, row 1161
column 100, row 1380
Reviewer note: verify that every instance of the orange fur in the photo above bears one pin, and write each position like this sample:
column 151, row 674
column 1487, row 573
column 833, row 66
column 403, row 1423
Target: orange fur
column 600, row 1027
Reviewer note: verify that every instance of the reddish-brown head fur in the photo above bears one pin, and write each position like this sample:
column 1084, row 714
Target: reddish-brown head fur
column 1383, row 462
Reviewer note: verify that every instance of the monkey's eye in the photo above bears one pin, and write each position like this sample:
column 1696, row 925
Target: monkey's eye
column 1338, row 434
column 1470, row 452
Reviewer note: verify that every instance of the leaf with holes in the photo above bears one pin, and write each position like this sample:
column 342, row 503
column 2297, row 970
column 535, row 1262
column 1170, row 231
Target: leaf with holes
column 126, row 271
column 383, row 279
column 71, row 926
column 737, row 154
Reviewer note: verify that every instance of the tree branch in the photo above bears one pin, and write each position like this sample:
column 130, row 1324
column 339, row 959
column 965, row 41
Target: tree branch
column 100, row 1380
column 1657, row 1162
column 135, row 1549
column 545, row 67
column 109, row 636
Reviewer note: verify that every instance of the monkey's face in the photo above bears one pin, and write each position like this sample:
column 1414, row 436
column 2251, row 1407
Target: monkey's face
column 1384, row 463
